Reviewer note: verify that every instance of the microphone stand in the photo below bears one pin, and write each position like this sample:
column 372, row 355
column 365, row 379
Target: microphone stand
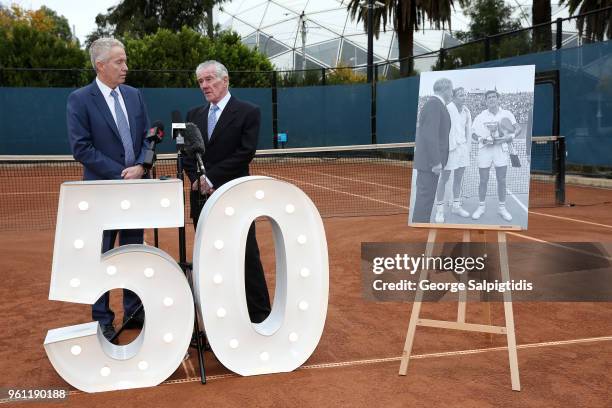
column 187, row 268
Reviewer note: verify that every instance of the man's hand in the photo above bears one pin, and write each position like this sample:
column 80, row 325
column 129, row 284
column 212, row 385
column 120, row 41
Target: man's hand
column 505, row 139
column 132, row 173
column 205, row 188
column 437, row 168
column 487, row 140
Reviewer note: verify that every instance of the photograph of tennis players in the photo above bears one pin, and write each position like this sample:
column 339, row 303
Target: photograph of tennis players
column 472, row 147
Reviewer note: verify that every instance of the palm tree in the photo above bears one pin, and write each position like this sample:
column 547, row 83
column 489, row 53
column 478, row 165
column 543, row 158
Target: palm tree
column 542, row 36
column 407, row 16
column 598, row 25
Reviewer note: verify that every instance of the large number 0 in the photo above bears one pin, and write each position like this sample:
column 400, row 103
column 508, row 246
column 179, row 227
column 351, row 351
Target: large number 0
column 84, row 358
column 80, row 274
column 292, row 331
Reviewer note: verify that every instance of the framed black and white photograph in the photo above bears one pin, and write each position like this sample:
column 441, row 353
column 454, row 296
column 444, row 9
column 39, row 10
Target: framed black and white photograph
column 472, row 148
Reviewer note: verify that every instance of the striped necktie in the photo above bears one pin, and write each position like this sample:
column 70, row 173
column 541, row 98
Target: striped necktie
column 212, row 120
column 124, row 131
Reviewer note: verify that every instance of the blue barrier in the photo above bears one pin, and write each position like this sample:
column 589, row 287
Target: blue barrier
column 33, row 119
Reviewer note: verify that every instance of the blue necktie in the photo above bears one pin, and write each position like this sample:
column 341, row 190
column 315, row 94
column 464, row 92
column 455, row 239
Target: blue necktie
column 212, row 120
column 124, row 131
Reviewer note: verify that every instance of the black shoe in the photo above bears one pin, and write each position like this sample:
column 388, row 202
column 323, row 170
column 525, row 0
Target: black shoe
column 109, row 333
column 135, row 323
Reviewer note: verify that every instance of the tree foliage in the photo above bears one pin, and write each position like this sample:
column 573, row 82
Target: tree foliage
column 37, row 39
column 596, row 26
column 43, row 19
column 144, row 17
column 487, row 18
column 184, row 50
column 42, row 39
column 407, row 16
column 540, row 14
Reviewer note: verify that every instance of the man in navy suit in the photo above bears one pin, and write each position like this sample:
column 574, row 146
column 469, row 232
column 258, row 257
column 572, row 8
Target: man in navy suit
column 230, row 128
column 107, row 125
column 431, row 148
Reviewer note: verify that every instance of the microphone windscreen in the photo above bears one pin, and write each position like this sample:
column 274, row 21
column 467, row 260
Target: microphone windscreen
column 159, row 125
column 193, row 140
column 176, row 117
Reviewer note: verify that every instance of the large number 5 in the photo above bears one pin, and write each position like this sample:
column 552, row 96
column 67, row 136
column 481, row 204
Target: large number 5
column 80, row 274
column 292, row 331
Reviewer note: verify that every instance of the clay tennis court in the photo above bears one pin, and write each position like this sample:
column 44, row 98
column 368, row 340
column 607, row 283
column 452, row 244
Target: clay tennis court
column 565, row 349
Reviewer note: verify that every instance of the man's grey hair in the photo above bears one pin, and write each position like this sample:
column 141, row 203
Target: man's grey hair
column 220, row 70
column 99, row 49
column 442, row 84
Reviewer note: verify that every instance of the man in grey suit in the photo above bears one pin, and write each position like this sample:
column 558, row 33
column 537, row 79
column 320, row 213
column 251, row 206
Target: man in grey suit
column 107, row 124
column 431, row 149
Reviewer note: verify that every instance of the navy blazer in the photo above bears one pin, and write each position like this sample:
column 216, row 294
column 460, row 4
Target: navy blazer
column 432, row 135
column 93, row 134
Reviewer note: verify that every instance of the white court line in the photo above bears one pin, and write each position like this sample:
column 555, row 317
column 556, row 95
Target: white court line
column 356, row 181
column 355, row 363
column 193, row 371
column 554, row 244
column 572, row 219
column 185, row 368
column 29, row 192
column 508, row 232
column 406, row 208
column 519, row 202
column 334, row 190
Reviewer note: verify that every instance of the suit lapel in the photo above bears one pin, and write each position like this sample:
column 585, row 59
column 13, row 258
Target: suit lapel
column 203, row 119
column 224, row 120
column 103, row 108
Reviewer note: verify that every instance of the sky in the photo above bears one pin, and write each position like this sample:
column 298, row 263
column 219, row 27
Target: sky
column 82, row 14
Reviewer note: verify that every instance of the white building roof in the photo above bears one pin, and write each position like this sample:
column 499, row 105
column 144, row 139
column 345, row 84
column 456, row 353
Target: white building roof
column 280, row 28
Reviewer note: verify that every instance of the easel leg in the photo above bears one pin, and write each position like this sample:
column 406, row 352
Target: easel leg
column 416, row 308
column 505, row 274
column 461, row 308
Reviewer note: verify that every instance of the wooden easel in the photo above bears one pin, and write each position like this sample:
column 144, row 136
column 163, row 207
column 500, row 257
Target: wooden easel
column 461, row 324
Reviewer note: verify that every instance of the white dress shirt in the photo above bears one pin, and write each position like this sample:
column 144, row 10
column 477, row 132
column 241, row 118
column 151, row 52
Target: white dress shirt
column 110, row 101
column 221, row 105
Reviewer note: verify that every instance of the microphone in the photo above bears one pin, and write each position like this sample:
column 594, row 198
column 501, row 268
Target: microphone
column 154, row 136
column 194, row 144
column 178, row 127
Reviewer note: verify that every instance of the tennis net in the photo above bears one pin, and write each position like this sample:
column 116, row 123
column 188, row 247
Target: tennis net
column 366, row 180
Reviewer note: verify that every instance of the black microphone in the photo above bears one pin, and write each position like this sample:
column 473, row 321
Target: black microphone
column 154, row 136
column 178, row 127
column 194, row 144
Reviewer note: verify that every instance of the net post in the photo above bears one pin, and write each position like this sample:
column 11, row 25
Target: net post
column 373, row 106
column 560, row 170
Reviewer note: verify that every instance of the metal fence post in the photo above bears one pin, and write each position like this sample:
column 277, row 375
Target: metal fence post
column 560, row 165
column 559, row 33
column 373, row 105
column 274, row 111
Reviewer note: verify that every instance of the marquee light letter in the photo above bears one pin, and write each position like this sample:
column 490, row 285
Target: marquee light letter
column 290, row 334
column 81, row 274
